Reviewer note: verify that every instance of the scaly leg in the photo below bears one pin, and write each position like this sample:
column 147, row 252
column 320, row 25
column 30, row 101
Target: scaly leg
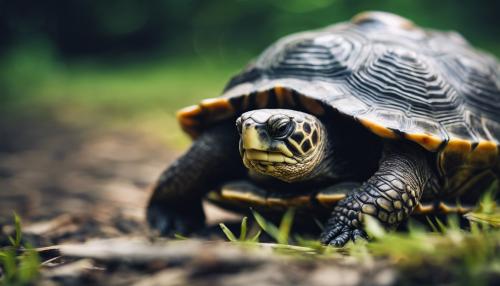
column 175, row 206
column 390, row 195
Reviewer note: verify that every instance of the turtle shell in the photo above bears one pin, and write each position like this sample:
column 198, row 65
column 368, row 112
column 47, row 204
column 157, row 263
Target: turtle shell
column 240, row 195
column 400, row 81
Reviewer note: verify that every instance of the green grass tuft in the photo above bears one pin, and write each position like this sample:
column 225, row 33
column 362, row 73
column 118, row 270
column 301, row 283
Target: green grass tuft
column 19, row 263
column 467, row 252
column 487, row 213
column 16, row 240
column 282, row 233
column 243, row 237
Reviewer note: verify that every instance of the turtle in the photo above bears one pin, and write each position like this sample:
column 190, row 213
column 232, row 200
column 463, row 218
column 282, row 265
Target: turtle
column 375, row 116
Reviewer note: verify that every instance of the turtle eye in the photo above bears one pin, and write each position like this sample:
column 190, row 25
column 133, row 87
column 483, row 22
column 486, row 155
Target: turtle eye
column 280, row 127
column 238, row 125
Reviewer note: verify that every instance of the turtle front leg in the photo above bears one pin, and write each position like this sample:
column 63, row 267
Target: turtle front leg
column 175, row 205
column 390, row 195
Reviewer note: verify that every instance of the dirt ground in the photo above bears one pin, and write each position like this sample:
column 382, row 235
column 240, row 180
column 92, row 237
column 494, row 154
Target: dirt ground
column 49, row 170
column 81, row 193
column 74, row 184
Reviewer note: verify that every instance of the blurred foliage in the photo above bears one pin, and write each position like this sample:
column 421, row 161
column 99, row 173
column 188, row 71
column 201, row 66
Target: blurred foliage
column 141, row 96
column 19, row 264
column 133, row 63
column 117, row 27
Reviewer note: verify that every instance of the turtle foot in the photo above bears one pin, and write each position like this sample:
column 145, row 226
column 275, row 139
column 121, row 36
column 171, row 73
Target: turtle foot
column 181, row 219
column 337, row 234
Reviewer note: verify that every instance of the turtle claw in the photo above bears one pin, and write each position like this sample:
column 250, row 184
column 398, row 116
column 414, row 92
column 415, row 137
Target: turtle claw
column 169, row 220
column 359, row 235
column 330, row 233
column 338, row 234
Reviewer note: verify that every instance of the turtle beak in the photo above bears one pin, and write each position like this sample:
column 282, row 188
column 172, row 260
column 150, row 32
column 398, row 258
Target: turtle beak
column 255, row 137
column 257, row 145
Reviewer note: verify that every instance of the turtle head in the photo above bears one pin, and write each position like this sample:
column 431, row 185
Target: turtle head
column 286, row 144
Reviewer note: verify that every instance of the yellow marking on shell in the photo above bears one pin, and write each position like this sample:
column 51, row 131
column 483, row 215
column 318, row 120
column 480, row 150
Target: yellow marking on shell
column 249, row 197
column 280, row 96
column 383, row 17
column 312, row 105
column 189, row 111
column 444, row 208
column 329, row 200
column 423, row 209
column 429, row 142
column 299, row 201
column 378, row 129
column 209, row 110
column 188, row 120
column 215, row 196
column 217, row 108
column 485, row 153
column 458, row 145
column 262, row 99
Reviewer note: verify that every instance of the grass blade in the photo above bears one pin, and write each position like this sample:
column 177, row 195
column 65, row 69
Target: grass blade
column 256, row 237
column 16, row 240
column 266, row 226
column 319, row 224
column 180, row 236
column 490, row 219
column 431, row 224
column 229, row 234
column 442, row 227
column 243, row 229
column 286, row 226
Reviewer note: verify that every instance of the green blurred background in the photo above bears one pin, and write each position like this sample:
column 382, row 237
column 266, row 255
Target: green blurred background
column 131, row 63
